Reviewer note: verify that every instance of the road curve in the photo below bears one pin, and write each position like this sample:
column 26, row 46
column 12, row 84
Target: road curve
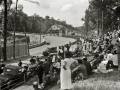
column 54, row 41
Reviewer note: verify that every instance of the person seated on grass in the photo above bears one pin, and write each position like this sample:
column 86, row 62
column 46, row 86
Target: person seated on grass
column 35, row 86
column 112, row 61
column 88, row 66
column 93, row 62
column 81, row 68
column 54, row 78
column 109, row 56
column 47, row 80
column 102, row 68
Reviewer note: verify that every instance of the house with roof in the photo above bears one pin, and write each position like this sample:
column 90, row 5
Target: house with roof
column 57, row 30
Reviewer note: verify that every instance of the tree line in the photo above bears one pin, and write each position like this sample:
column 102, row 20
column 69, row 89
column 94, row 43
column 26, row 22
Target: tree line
column 33, row 24
column 102, row 15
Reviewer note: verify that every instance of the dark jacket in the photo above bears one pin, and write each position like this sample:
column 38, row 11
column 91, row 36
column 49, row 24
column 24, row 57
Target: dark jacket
column 40, row 71
column 46, row 66
column 88, row 67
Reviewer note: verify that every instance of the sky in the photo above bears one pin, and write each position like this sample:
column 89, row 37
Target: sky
column 69, row 10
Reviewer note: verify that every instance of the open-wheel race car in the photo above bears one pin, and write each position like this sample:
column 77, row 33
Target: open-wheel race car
column 13, row 76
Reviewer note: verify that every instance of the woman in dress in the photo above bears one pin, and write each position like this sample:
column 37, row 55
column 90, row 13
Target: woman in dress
column 65, row 75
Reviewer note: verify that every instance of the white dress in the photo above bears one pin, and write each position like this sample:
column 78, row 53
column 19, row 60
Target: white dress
column 65, row 75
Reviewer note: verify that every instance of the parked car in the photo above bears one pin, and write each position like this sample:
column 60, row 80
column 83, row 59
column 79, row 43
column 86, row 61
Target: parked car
column 14, row 76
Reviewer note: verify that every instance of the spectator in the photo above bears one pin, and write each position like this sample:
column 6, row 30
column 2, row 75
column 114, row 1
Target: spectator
column 32, row 60
column 95, row 58
column 20, row 63
column 109, row 56
column 47, row 80
column 118, row 47
column 2, row 64
column 1, row 70
column 60, row 52
column 88, row 66
column 111, row 61
column 57, row 67
column 50, row 59
column 40, row 72
column 81, row 68
column 55, row 77
column 46, row 67
column 35, row 86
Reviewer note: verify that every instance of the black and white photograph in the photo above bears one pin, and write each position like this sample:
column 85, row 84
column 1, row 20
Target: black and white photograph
column 59, row 44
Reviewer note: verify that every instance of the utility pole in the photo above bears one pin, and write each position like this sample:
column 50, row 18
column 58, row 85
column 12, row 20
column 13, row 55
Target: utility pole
column 5, row 31
column 15, row 29
column 102, row 21
column 98, row 23
column 40, row 30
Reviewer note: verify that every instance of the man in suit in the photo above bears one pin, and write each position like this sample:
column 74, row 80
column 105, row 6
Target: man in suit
column 40, row 72
column 46, row 67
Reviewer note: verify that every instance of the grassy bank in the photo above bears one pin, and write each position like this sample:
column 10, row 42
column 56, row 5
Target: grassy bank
column 109, row 81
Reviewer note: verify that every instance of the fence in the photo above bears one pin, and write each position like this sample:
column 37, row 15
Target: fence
column 21, row 50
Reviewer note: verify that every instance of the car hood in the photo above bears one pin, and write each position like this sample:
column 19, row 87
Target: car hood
column 4, row 78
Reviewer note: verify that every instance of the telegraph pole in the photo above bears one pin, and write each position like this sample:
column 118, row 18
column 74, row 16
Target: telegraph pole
column 102, row 21
column 15, row 29
column 5, row 31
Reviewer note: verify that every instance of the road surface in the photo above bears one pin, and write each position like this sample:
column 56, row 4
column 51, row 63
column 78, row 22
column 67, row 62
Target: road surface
column 54, row 41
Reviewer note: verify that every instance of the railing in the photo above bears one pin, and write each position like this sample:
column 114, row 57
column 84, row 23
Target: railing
column 19, row 79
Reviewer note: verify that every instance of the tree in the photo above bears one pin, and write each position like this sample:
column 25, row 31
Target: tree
column 101, row 15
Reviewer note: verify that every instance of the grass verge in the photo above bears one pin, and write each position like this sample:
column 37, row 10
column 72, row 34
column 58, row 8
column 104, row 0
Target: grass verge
column 109, row 81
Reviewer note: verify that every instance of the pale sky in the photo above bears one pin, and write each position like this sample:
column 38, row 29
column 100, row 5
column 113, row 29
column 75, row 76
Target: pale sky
column 70, row 10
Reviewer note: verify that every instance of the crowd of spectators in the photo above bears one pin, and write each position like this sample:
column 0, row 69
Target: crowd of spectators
column 105, row 59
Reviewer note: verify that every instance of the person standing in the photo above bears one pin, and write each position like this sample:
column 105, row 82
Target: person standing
column 65, row 75
column 46, row 67
column 87, row 46
column 90, row 47
column 84, row 47
column 20, row 63
column 40, row 73
column 118, row 50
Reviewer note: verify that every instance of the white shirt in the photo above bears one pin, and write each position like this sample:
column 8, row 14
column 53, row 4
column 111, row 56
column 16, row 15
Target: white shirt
column 57, row 65
column 109, row 57
column 53, row 59
column 115, row 60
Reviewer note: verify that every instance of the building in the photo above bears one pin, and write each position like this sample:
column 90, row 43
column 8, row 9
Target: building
column 58, row 30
